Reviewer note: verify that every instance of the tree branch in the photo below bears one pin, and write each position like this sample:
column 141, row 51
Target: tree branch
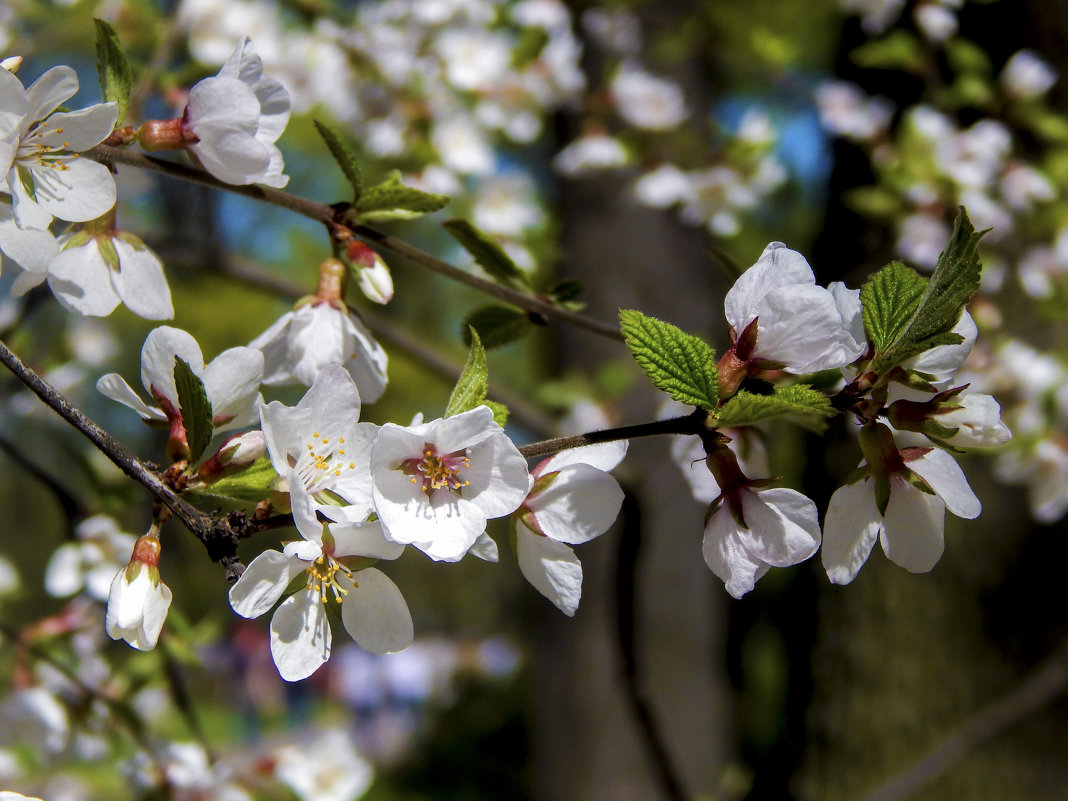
column 342, row 215
column 693, row 423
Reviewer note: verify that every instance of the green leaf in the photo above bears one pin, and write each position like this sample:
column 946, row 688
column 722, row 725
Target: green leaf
column 392, row 200
column 344, row 157
column 566, row 294
column 195, row 407
column 116, row 74
column 250, row 485
column 470, row 391
column 889, row 299
column 500, row 412
column 678, row 363
column 488, row 254
column 497, row 325
column 26, row 179
column 745, row 407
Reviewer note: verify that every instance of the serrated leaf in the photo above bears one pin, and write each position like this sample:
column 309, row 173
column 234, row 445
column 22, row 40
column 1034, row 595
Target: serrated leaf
column 680, row 364
column 955, row 279
column 496, row 325
column 115, row 72
column 746, row 407
column 344, row 156
column 889, row 299
column 195, row 407
column 470, row 390
column 392, row 200
column 500, row 412
column 487, row 253
column 250, row 485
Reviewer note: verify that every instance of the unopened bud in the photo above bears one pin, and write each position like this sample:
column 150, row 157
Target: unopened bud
column 376, row 282
column 138, row 601
column 165, row 135
column 236, row 453
column 11, row 64
column 333, row 279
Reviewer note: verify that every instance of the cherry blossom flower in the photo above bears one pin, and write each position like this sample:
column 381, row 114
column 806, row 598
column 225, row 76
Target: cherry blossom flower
column 910, row 528
column 138, row 601
column 34, row 717
column 28, row 250
column 326, row 768
column 373, row 610
column 1025, row 75
column 93, row 272
column 231, row 123
column 39, row 151
column 778, row 527
column 321, row 330
column 90, row 563
column 321, row 442
column 573, row 500
column 435, row 484
column 646, row 101
column 231, row 382
column 778, row 315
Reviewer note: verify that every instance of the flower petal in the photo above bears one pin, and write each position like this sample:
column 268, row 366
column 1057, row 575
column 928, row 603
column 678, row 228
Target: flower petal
column 81, row 280
column 114, row 386
column 849, row 531
column 604, row 456
column 140, row 282
column 783, row 526
column 300, row 636
column 79, row 130
column 263, row 582
column 376, row 615
column 551, row 568
column 912, row 530
column 579, row 504
column 727, row 557
column 943, row 474
column 157, row 359
column 49, row 91
column 232, row 383
column 83, row 190
column 778, row 266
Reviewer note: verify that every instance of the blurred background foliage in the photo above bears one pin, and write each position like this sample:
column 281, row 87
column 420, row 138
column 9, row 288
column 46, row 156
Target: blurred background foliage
column 800, row 690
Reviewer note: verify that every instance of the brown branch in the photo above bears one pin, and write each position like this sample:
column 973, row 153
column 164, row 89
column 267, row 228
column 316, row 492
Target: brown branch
column 217, row 534
column 343, row 215
column 1037, row 690
column 689, row 424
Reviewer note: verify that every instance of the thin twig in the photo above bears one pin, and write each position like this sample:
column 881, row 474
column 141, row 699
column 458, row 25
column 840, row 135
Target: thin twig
column 73, row 509
column 1041, row 687
column 342, row 215
column 216, row 534
column 688, row 424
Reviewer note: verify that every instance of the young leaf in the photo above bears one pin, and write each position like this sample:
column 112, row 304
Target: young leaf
column 195, row 407
column 496, row 325
column 488, row 254
column 470, row 391
column 250, row 485
column 566, row 294
column 116, row 75
column 392, row 200
column 745, row 407
column 344, row 157
column 500, row 412
column 678, row 363
column 889, row 299
column 955, row 280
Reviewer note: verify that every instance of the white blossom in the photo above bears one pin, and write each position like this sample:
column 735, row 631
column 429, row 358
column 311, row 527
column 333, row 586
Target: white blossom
column 573, row 500
column 235, row 119
column 325, row 768
column 910, row 531
column 39, row 151
column 845, row 110
column 436, row 484
column 937, row 22
column 590, row 153
column 1025, row 75
column 138, row 600
column 978, row 422
column 646, row 101
column 801, row 326
column 90, row 563
column 305, row 340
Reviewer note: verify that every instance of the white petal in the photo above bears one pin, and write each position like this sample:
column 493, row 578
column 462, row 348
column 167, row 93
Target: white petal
column 945, row 359
column 485, row 548
column 365, row 539
column 849, row 531
column 83, row 191
column 140, row 282
column 13, row 107
column 912, row 530
column 232, row 383
column 801, row 327
column 81, row 280
column 945, row 477
column 498, row 475
column 32, row 250
column 79, row 130
column 316, row 338
column 49, row 91
column 114, row 386
column 274, row 344
column 376, row 615
column 63, row 576
column 727, row 557
column 365, row 360
column 778, row 266
column 551, row 568
column 783, row 526
column 604, row 456
column 300, row 636
column 581, row 503
column 157, row 359
column 263, row 582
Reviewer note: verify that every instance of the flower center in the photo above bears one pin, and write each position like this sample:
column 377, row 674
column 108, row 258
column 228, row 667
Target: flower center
column 323, row 578
column 31, row 148
column 435, row 471
column 323, row 462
